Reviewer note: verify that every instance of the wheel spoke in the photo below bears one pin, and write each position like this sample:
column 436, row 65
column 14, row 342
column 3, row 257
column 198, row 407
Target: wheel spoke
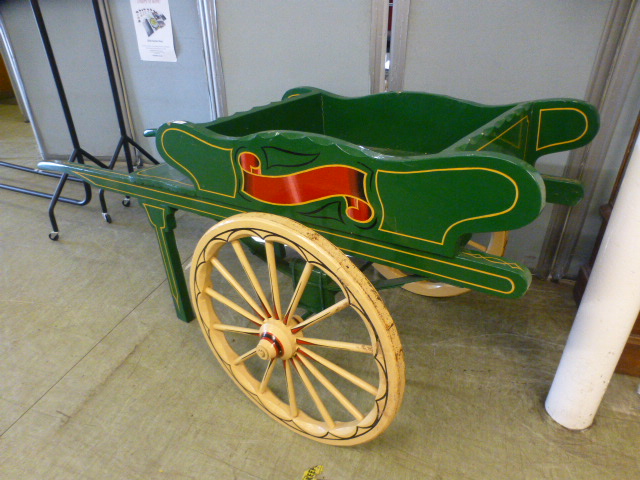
column 239, row 288
column 293, row 404
column 267, row 376
column 324, row 314
column 223, row 327
column 273, row 278
column 357, row 381
column 285, row 355
column 314, row 395
column 477, row 246
column 297, row 295
column 344, row 401
column 233, row 306
column 244, row 357
column 352, row 347
column 237, row 246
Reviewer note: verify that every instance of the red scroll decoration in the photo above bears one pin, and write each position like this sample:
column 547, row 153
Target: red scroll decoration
column 307, row 186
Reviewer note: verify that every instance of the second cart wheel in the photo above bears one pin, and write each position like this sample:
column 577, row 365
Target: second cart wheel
column 496, row 244
column 336, row 375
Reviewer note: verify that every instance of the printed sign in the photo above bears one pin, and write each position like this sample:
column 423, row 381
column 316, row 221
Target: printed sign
column 152, row 21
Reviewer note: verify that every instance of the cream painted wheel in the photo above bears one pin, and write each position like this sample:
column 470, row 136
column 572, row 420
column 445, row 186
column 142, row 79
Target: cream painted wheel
column 496, row 244
column 336, row 376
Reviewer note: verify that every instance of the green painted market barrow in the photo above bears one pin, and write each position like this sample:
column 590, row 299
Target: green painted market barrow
column 402, row 180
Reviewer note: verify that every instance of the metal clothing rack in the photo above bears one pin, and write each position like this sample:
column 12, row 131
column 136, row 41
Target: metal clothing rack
column 79, row 154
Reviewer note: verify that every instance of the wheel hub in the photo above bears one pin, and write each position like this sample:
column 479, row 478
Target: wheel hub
column 276, row 340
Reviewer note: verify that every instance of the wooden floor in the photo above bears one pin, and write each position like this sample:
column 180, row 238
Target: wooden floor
column 99, row 380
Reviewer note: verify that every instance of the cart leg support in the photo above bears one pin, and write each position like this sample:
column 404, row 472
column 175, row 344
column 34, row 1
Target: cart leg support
column 163, row 220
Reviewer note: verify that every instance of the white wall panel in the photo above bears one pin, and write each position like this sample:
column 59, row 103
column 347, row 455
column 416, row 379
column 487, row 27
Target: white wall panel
column 74, row 37
column 504, row 51
column 270, row 46
column 159, row 92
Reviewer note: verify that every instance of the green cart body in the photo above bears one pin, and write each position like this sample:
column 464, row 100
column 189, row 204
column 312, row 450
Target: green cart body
column 401, row 179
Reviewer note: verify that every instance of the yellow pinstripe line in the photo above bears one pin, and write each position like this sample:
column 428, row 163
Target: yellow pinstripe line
column 193, row 177
column 484, row 287
column 163, row 252
column 422, row 257
column 143, row 173
column 444, row 236
column 586, row 127
column 505, row 132
column 135, row 187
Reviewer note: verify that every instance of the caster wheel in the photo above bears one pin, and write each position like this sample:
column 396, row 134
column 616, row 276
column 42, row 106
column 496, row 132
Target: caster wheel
column 107, row 217
column 335, row 376
column 126, row 201
column 54, row 236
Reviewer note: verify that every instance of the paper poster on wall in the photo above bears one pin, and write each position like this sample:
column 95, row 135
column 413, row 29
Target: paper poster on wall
column 152, row 21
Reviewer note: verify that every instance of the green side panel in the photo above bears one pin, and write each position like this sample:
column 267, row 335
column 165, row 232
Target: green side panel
column 433, row 207
column 206, row 162
column 427, row 204
column 559, row 125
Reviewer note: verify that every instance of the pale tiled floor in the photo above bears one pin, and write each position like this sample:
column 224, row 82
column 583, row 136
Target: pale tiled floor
column 99, row 380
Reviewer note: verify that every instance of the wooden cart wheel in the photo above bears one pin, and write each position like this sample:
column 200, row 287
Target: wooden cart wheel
column 336, row 376
column 496, row 245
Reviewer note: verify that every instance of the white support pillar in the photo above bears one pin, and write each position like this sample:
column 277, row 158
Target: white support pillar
column 608, row 310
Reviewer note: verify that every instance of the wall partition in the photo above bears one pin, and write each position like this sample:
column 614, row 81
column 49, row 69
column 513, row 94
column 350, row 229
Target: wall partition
column 231, row 55
column 500, row 52
column 266, row 47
